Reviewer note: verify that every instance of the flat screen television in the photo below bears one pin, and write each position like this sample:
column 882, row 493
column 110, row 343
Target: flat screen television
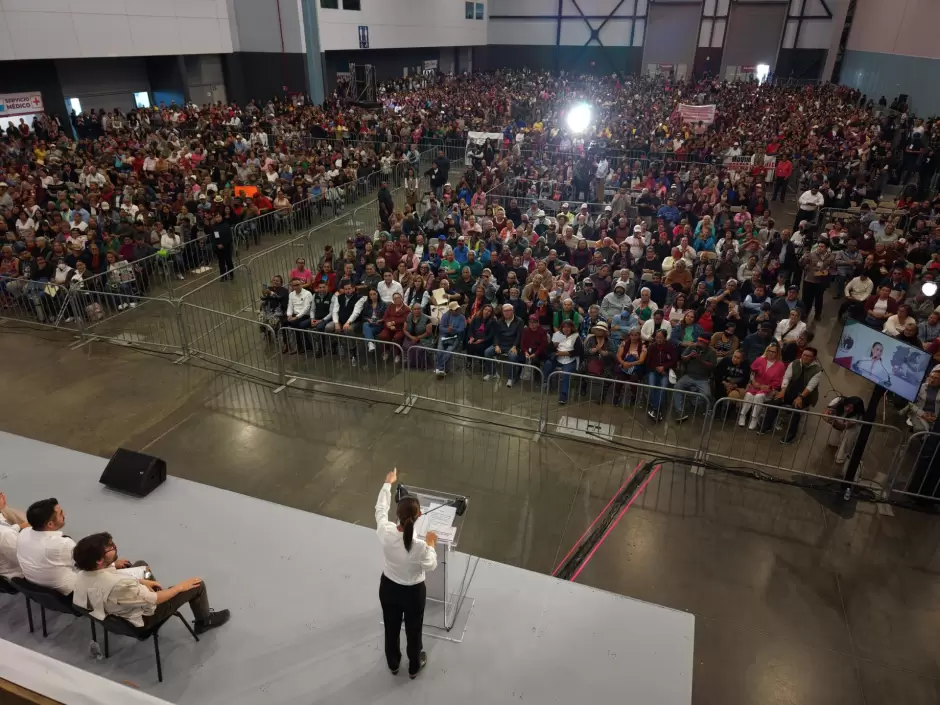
column 881, row 359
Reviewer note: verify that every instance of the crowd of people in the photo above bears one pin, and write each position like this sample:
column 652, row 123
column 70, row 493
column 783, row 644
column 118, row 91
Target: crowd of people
column 677, row 270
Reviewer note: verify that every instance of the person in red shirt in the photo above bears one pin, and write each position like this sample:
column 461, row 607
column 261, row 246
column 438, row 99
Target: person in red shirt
column 263, row 203
column 781, row 176
column 327, row 276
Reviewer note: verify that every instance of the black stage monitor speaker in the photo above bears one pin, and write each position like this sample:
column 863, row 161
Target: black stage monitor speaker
column 134, row 473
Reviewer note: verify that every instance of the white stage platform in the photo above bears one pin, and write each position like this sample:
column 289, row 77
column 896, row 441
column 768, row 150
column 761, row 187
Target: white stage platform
column 303, row 591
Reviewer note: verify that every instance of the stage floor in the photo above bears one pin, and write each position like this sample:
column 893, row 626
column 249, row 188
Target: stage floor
column 303, row 591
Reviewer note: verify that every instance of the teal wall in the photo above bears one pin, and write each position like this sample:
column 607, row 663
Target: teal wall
column 890, row 74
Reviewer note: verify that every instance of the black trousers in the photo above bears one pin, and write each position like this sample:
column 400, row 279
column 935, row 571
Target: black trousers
column 780, row 187
column 225, row 262
column 402, row 602
column 808, row 216
column 775, row 406
column 813, row 297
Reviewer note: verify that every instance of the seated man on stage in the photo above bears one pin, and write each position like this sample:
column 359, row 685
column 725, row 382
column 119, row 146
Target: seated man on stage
column 11, row 523
column 43, row 551
column 103, row 589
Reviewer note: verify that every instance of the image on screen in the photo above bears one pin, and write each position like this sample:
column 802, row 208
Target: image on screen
column 879, row 358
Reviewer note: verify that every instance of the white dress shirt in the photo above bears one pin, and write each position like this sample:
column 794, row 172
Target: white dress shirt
column 109, row 591
column 401, row 566
column 809, row 203
column 45, row 558
column 9, row 566
column 387, row 291
column 299, row 303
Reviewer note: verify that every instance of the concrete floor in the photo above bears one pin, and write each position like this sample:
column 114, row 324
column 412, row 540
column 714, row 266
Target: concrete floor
column 795, row 602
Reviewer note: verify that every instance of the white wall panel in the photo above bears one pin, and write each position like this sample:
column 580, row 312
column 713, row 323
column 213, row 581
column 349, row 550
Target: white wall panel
column 148, row 7
column 789, row 34
column 102, row 28
column 6, row 44
column 96, row 31
column 36, row 5
column 616, row 33
column 535, row 33
column 153, row 36
column 58, row 35
column 906, row 27
column 815, row 34
column 196, row 8
column 98, row 7
column 403, row 23
column 521, row 7
column 639, row 33
column 575, row 33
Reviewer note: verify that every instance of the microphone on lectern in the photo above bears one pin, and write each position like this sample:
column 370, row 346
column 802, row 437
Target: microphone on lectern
column 459, row 503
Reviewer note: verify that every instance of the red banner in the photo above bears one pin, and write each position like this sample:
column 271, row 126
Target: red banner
column 697, row 113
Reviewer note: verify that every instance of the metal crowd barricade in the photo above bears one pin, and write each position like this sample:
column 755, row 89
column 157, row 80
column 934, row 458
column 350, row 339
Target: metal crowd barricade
column 242, row 342
column 273, row 223
column 603, row 408
column 125, row 319
column 152, row 276
column 916, row 473
column 38, row 303
column 315, row 357
column 231, row 296
column 280, row 260
column 476, row 383
column 814, row 448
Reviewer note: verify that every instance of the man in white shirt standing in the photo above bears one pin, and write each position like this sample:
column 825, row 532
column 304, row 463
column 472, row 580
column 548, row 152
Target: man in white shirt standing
column 810, row 203
column 600, row 178
column 299, row 302
column 9, row 532
column 43, row 552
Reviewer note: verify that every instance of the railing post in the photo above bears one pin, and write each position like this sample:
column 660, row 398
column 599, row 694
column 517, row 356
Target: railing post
column 184, row 338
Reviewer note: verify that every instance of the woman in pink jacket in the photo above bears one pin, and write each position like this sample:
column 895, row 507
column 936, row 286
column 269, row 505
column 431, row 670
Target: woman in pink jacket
column 766, row 378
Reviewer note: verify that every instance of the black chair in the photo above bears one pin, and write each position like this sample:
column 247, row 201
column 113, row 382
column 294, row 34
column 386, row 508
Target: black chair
column 51, row 599
column 119, row 625
column 8, row 588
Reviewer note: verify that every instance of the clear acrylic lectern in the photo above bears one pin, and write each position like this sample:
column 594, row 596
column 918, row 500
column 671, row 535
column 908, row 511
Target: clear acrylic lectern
column 448, row 606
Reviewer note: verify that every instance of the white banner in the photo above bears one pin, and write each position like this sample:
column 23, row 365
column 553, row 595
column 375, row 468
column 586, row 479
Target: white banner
column 697, row 113
column 20, row 103
column 475, row 142
column 766, row 164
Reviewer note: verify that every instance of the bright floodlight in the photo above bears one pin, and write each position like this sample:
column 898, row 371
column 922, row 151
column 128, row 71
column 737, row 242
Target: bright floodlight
column 929, row 289
column 762, row 71
column 579, row 117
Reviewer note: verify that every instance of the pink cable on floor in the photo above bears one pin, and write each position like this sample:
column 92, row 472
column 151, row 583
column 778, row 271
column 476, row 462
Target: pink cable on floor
column 603, row 511
column 616, row 521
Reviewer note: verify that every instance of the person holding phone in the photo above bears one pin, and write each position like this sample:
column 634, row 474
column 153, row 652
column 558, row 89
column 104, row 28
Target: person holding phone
column 402, row 592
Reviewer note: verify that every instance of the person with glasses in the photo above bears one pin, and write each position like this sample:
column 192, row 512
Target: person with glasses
column 103, row 588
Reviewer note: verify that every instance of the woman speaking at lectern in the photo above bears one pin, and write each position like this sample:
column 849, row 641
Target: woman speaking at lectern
column 402, row 591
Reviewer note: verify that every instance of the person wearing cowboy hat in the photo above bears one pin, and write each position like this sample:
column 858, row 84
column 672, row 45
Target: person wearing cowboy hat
column 599, row 355
column 565, row 353
column 700, row 360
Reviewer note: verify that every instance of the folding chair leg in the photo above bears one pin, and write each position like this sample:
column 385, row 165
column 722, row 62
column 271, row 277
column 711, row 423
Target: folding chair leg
column 156, row 650
column 42, row 612
column 106, row 652
column 186, row 624
column 29, row 614
column 94, row 633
